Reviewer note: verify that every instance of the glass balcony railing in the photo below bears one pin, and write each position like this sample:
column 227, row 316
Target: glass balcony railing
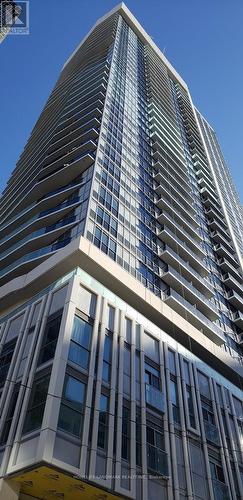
column 39, row 232
column 33, row 255
column 70, row 162
column 210, row 308
column 157, row 461
column 65, row 204
column 205, row 323
column 220, row 490
column 211, row 432
column 154, row 397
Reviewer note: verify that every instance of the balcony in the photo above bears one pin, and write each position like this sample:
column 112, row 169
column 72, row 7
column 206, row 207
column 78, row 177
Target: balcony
column 160, row 142
column 67, row 157
column 172, row 214
column 215, row 214
column 193, row 315
column 61, row 136
column 162, row 157
column 225, row 265
column 157, row 461
column 189, row 292
column 72, row 140
column 210, row 198
column 182, row 249
column 221, row 250
column 95, row 108
column 180, row 233
column 211, row 433
column 165, row 170
column 39, row 227
column 79, row 119
column 238, row 319
column 186, row 201
column 175, row 184
column 168, row 198
column 217, row 225
column 232, row 283
column 154, row 397
column 29, row 261
column 31, row 248
column 53, row 199
column 205, row 180
column 220, row 490
column 235, row 299
column 172, row 258
column 219, row 238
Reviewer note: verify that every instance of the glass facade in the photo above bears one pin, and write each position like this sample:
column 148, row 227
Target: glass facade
column 121, row 363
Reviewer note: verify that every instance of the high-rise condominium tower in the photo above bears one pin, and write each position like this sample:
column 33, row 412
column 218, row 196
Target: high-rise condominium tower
column 121, row 289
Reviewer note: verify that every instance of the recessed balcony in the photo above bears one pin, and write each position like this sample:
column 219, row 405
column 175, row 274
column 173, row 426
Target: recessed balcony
column 223, row 252
column 189, row 292
column 169, row 222
column 172, row 258
column 217, row 236
column 238, row 319
column 220, row 490
column 208, row 203
column 157, row 461
column 217, row 225
column 183, row 250
column 216, row 214
column 232, row 283
column 225, row 265
column 210, row 197
column 235, row 299
column 211, row 433
column 194, row 316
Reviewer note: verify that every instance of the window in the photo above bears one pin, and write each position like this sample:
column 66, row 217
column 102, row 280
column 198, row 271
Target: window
column 156, row 457
column 175, row 402
column 9, row 418
column 190, row 407
column 5, row 359
column 125, row 453
column 138, row 439
column 49, row 339
column 217, row 472
column 152, row 376
column 127, row 369
column 103, row 422
column 79, row 351
column 36, row 406
column 26, row 351
column 106, row 375
column 71, row 409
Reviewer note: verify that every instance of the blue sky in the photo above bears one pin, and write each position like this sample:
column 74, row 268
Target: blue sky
column 203, row 39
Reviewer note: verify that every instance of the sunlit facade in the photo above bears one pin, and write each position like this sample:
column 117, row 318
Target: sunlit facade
column 121, row 360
